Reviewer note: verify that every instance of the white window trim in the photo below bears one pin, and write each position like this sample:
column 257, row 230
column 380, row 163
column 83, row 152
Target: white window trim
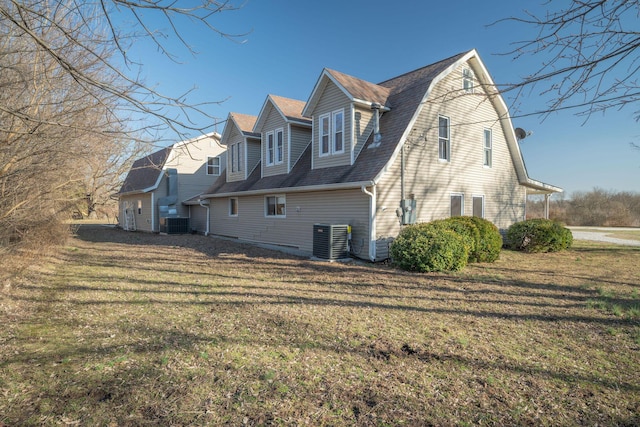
column 448, row 139
column 266, row 206
column 275, row 146
column 320, row 135
column 209, row 158
column 237, row 207
column 270, row 149
column 486, row 149
column 467, row 76
column 335, row 114
column 461, row 203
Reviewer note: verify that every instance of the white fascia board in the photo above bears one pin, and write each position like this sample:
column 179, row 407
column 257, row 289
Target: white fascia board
column 261, row 118
column 312, row 101
column 539, row 187
column 287, row 190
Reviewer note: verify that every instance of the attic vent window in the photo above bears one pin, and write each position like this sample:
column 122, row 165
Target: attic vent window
column 467, row 80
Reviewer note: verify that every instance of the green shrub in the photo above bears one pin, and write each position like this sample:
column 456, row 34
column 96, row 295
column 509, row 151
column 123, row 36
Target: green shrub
column 466, row 229
column 490, row 243
column 428, row 247
column 538, row 235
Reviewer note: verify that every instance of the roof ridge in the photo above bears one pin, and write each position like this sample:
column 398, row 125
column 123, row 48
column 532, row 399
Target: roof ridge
column 458, row 55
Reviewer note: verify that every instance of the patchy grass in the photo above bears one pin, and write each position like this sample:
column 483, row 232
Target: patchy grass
column 624, row 233
column 129, row 328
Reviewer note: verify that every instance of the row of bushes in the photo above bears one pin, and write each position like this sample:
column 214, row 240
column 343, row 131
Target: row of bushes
column 449, row 244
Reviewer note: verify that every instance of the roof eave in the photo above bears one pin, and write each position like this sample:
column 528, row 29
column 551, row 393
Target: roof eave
column 302, row 189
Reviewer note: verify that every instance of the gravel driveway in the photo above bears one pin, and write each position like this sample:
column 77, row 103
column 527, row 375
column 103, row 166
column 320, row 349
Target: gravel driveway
column 599, row 234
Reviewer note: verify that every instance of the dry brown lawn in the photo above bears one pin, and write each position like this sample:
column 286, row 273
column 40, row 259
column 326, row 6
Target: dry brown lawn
column 137, row 329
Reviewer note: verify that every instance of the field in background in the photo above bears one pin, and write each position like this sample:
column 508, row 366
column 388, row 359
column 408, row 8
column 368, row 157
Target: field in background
column 130, row 328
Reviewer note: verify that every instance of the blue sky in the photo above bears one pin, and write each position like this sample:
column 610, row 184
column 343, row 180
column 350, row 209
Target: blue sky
column 289, row 42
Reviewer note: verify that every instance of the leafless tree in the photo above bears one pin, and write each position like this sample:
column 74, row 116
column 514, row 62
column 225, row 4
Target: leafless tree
column 68, row 103
column 590, row 55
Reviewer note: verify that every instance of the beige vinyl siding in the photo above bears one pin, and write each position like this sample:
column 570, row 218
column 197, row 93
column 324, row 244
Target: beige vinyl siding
column 253, row 155
column 190, row 161
column 198, row 218
column 143, row 219
column 332, row 99
column 433, row 181
column 362, row 128
column 235, row 136
column 273, row 121
column 300, row 139
column 303, row 210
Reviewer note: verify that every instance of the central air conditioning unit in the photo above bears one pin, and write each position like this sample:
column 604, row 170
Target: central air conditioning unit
column 330, row 241
column 174, row 225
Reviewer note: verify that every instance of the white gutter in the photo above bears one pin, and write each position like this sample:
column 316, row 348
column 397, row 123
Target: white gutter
column 372, row 220
column 206, row 228
column 287, row 190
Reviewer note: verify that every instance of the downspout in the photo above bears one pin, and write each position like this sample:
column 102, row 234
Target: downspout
column 153, row 213
column 206, row 228
column 372, row 220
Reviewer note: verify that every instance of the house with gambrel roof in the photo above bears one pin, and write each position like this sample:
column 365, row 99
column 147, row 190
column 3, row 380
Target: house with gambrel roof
column 157, row 185
column 432, row 143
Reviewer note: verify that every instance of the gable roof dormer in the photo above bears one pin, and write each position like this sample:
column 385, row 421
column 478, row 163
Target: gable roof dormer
column 285, row 134
column 289, row 109
column 243, row 146
column 357, row 90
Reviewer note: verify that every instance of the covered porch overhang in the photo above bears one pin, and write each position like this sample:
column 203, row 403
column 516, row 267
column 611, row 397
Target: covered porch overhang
column 534, row 187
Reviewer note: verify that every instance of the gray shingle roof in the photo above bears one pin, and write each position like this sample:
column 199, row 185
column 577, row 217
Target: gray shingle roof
column 144, row 172
column 402, row 94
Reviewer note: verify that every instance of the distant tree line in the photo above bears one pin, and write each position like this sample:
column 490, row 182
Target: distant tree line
column 597, row 207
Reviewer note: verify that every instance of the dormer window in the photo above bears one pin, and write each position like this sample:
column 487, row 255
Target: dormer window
column 275, row 147
column 467, row 80
column 236, row 157
column 270, row 149
column 331, row 133
column 279, row 145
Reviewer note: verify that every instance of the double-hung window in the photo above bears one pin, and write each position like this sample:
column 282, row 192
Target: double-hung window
column 213, row 166
column 270, row 149
column 338, row 131
column 279, row 145
column 444, row 141
column 275, row 206
column 467, row 80
column 331, row 133
column 488, row 149
column 325, row 131
column 236, row 157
